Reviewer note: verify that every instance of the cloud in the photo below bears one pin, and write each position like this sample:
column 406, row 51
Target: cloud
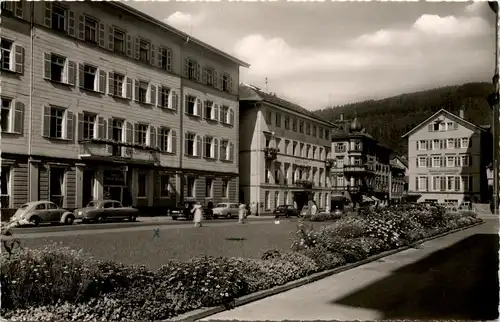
column 184, row 20
column 476, row 7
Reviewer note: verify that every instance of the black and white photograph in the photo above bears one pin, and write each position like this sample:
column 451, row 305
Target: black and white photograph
column 249, row 160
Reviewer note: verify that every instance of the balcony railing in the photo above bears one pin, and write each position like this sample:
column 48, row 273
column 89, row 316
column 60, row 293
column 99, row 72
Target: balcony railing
column 329, row 163
column 120, row 144
column 271, row 153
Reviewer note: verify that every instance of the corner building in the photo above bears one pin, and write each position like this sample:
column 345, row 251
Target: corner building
column 284, row 152
column 101, row 100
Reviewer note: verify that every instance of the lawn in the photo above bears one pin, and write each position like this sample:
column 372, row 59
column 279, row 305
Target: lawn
column 140, row 247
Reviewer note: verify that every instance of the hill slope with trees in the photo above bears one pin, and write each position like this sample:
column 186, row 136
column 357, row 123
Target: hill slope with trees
column 390, row 118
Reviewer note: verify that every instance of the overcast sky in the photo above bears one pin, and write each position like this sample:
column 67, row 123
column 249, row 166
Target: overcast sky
column 332, row 53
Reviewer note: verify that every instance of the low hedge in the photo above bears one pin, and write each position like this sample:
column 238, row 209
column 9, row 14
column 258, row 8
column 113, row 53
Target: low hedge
column 57, row 283
column 322, row 217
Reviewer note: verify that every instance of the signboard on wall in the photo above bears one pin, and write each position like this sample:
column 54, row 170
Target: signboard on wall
column 114, row 178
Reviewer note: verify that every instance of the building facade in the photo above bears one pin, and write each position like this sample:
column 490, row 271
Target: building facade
column 284, row 152
column 361, row 165
column 101, row 100
column 448, row 157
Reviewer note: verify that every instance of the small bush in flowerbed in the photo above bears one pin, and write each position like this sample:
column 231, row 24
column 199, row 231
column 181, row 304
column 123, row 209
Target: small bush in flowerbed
column 323, row 217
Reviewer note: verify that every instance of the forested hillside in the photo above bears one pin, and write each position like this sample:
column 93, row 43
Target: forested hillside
column 388, row 119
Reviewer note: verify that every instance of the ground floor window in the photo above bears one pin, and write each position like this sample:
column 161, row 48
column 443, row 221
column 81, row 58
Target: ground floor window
column 141, row 185
column 190, row 187
column 5, row 187
column 225, row 188
column 267, row 200
column 320, row 200
column 56, row 185
column 276, row 199
column 164, row 185
column 208, row 187
column 286, row 198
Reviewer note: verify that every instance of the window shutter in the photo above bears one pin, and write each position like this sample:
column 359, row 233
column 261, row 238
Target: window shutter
column 173, row 142
column 81, row 27
column 221, row 114
column 416, row 184
column 130, row 133
column 129, row 88
column 204, row 147
column 175, row 99
column 69, row 126
column 110, row 133
column 71, row 79
column 18, row 117
column 231, row 151
column 129, row 46
column 153, row 95
column 81, row 75
column 231, row 117
column 186, row 143
column 204, row 75
column 111, row 83
column 185, row 67
column 198, row 147
column 216, row 79
column 136, row 90
column 102, row 35
column 46, row 121
column 79, row 117
column 152, row 136
column 102, row 81
column 231, row 85
column 19, row 59
column 137, row 51
column 221, row 152
column 71, row 24
column 430, row 127
column 47, row 65
column 216, row 111
column 18, row 9
column 216, row 149
column 101, row 127
column 418, row 145
column 428, row 162
column 111, row 38
column 158, row 62
column 136, row 134
column 48, row 14
column 199, row 106
column 416, row 162
column 153, row 54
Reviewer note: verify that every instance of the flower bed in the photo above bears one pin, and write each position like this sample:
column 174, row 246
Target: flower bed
column 58, row 283
column 322, row 217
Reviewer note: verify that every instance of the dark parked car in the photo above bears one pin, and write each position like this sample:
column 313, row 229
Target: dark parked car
column 183, row 210
column 100, row 210
column 287, row 211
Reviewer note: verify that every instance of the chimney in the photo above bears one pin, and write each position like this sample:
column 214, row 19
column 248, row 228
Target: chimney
column 341, row 116
column 461, row 112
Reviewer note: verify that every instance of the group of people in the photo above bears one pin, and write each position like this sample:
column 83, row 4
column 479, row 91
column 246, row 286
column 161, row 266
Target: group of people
column 198, row 214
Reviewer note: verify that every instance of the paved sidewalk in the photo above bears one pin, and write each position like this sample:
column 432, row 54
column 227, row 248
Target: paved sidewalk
column 452, row 277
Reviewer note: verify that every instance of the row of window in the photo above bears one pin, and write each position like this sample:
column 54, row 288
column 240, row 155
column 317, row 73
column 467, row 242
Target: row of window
column 318, row 177
column 208, row 110
column 208, row 147
column 210, row 186
column 338, row 180
column 442, row 126
column 443, row 144
column 294, row 148
column 321, row 200
column 444, row 183
column 295, row 125
column 440, row 161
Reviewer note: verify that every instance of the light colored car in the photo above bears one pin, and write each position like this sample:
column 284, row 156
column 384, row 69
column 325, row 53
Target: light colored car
column 36, row 212
column 100, row 210
column 226, row 210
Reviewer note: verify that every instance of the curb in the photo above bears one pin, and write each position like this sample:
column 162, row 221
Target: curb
column 206, row 312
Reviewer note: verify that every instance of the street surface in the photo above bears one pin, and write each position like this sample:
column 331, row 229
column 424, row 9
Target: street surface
column 452, row 277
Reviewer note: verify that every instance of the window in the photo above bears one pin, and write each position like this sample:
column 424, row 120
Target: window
column 450, row 183
column 208, row 187
column 91, row 30
column 6, row 118
column 301, row 127
column 164, row 185
column 191, row 104
column 287, row 122
column 190, row 186
column 435, row 144
column 59, row 69
column 451, row 143
column 465, row 160
column 422, row 162
column 267, row 200
column 117, row 134
column 56, row 122
column 142, row 92
column 294, row 148
column 141, row 133
column 308, row 129
column 192, row 69
column 421, row 145
column 6, row 46
column 144, row 49
column 225, row 188
column 321, row 133
column 457, row 183
column 422, row 183
column 276, row 174
column 141, row 184
column 90, row 78
column 276, row 199
column 302, row 150
column 89, row 124
column 12, row 56
column 190, row 144
column 59, row 17
column 118, row 41
column 209, row 147
column 210, row 110
column 5, row 187
column 294, row 125
column 286, row 197
column 269, row 117
column 278, row 120
column 225, row 83
column 225, row 115
column 435, row 126
column 210, row 76
column 449, row 126
column 118, row 88
column 465, row 183
column 56, row 185
column 166, row 58
column 165, row 140
column 164, row 93
column 224, row 149
column 465, row 143
column 308, row 151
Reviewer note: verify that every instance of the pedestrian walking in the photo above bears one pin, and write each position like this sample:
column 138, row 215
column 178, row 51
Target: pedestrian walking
column 197, row 214
column 241, row 214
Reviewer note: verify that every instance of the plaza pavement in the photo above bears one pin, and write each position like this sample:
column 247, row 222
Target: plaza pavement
column 452, row 277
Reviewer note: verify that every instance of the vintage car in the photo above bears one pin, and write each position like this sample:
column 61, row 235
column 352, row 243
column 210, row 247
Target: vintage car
column 100, row 210
column 226, row 210
column 36, row 212
column 184, row 210
column 287, row 211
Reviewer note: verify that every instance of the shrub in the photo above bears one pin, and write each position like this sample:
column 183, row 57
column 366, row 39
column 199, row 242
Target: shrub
column 323, row 217
column 347, row 227
column 323, row 258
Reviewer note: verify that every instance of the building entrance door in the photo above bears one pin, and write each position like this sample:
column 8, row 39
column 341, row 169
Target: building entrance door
column 114, row 184
column 88, row 186
column 114, row 193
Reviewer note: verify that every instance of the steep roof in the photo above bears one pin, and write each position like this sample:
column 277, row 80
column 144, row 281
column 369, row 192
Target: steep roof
column 444, row 112
column 252, row 93
column 402, row 160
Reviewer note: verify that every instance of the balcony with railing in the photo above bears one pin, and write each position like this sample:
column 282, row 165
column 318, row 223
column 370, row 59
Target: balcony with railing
column 271, row 153
column 111, row 149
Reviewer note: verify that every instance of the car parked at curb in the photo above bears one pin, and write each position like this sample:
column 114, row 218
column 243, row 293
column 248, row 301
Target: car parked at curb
column 287, row 211
column 37, row 212
column 100, row 210
column 226, row 210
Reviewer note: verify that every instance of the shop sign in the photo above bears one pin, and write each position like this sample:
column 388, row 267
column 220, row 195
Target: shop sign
column 114, row 178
